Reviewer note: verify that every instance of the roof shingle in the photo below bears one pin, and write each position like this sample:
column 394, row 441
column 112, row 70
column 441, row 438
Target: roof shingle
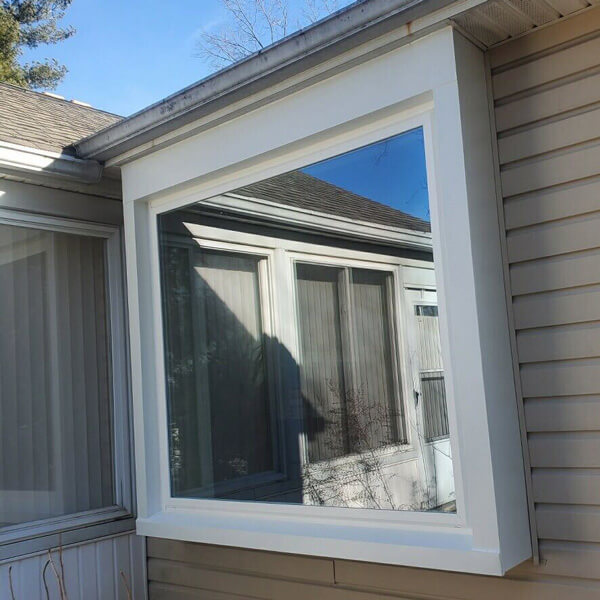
column 305, row 191
column 39, row 121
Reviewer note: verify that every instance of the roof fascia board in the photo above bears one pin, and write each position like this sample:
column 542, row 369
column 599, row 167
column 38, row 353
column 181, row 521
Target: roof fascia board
column 56, row 170
column 242, row 101
column 346, row 30
column 27, row 159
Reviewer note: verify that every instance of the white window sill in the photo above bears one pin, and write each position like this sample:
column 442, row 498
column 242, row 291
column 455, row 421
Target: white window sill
column 18, row 540
column 443, row 546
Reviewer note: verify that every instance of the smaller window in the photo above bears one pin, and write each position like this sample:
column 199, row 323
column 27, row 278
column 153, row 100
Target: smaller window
column 60, row 451
column 221, row 413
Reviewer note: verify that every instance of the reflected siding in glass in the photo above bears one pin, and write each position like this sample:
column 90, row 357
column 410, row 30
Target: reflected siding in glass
column 302, row 345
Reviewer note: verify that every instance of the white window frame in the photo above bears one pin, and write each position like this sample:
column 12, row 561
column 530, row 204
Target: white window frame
column 440, row 86
column 24, row 538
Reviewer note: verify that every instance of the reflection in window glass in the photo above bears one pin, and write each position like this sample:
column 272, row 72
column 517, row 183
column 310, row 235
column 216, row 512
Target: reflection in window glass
column 346, row 367
column 302, row 344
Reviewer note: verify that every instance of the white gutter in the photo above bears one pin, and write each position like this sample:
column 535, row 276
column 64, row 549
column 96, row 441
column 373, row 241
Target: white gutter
column 354, row 25
column 26, row 160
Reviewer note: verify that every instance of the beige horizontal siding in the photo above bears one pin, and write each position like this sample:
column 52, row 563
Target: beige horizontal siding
column 559, row 343
column 547, row 108
column 181, row 570
column 246, row 561
column 549, row 136
column 560, row 202
column 562, row 450
column 575, row 305
column 564, row 413
column 549, row 68
column 567, row 486
column 579, row 90
column 564, row 521
column 452, row 585
column 573, row 234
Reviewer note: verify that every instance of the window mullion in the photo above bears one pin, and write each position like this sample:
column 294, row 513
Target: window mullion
column 348, row 353
column 265, row 274
column 202, row 380
column 293, row 446
column 393, row 308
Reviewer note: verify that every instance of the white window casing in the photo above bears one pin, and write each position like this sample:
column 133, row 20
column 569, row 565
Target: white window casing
column 436, row 82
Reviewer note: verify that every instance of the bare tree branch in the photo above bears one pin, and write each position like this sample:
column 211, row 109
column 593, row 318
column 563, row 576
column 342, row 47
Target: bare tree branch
column 254, row 24
column 315, row 10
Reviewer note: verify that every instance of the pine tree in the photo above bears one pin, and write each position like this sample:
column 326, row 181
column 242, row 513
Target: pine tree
column 29, row 24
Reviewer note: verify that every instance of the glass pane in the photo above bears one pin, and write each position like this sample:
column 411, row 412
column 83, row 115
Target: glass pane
column 55, row 433
column 310, row 371
column 432, row 373
column 220, row 413
column 322, row 379
column 375, row 392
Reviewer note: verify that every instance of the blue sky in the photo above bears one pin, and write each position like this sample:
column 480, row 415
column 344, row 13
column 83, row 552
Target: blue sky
column 127, row 54
column 391, row 172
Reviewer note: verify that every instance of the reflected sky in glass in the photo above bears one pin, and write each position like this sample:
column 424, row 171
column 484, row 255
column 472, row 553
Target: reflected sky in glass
column 392, row 172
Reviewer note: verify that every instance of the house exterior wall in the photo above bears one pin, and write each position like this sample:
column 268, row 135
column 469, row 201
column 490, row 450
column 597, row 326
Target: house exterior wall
column 92, row 571
column 93, row 556
column 546, row 89
column 547, row 97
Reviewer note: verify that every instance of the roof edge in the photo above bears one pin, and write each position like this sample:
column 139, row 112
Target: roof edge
column 356, row 24
column 32, row 160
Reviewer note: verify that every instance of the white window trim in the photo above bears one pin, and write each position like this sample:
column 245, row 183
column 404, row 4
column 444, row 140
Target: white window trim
column 24, row 538
column 489, row 532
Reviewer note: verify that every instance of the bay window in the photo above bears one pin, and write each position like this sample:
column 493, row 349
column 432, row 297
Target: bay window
column 330, row 395
column 320, row 347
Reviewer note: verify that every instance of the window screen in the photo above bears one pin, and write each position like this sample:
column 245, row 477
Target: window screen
column 55, row 399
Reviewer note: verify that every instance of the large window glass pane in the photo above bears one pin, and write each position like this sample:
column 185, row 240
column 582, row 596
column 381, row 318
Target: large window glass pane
column 55, row 416
column 220, row 419
column 302, row 342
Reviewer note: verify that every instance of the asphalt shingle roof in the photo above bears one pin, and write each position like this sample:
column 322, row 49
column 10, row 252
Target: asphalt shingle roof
column 305, row 191
column 39, row 121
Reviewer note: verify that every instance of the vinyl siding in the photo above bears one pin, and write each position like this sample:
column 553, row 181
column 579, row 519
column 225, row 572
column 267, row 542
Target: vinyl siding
column 92, row 571
column 547, row 104
column 547, row 107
